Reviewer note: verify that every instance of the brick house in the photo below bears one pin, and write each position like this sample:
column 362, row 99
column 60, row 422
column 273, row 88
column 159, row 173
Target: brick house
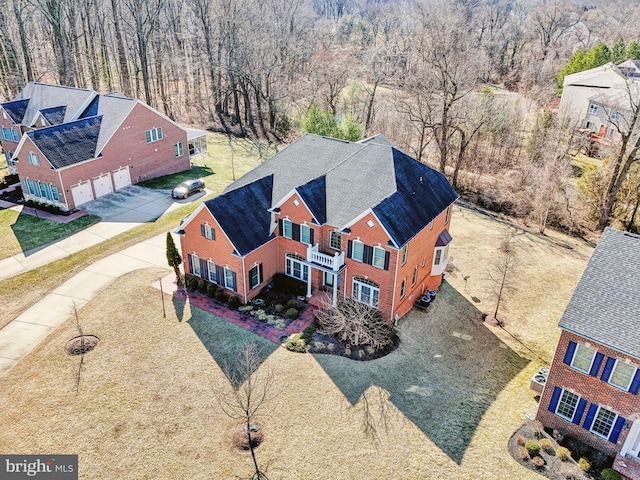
column 361, row 220
column 591, row 392
column 71, row 145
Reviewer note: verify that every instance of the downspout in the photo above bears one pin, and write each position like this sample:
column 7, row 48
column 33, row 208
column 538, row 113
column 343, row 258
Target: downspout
column 244, row 280
column 393, row 294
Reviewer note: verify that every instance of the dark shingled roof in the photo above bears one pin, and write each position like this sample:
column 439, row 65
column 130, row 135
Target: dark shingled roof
column 443, row 239
column 314, row 194
column 605, row 306
column 54, row 115
column 339, row 181
column 92, row 109
column 68, row 143
column 244, row 214
column 421, row 195
column 16, row 109
column 41, row 96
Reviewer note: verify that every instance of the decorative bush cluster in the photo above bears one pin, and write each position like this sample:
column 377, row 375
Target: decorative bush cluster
column 545, row 444
column 537, row 462
column 234, row 302
column 563, row 453
column 532, row 447
column 292, row 313
column 584, row 464
column 610, row 474
column 296, row 344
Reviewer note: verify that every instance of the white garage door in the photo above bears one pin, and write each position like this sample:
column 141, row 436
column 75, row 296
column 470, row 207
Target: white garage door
column 81, row 193
column 102, row 185
column 121, row 177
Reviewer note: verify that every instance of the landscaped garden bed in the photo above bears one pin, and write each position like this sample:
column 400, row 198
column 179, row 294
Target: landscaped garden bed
column 559, row 457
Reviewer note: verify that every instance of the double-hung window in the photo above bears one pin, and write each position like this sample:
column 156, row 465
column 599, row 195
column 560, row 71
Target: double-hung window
column 296, row 269
column 583, row 358
column 305, row 234
column 230, row 279
column 402, row 287
column 15, row 134
column 603, row 422
column 178, row 149
column 567, row 405
column 593, row 109
column 358, row 251
column 287, row 228
column 212, row 271
column 378, row 257
column 154, row 134
column 208, row 231
column 404, row 254
column 415, row 276
column 255, row 275
column 194, row 263
column 33, row 159
column 622, row 375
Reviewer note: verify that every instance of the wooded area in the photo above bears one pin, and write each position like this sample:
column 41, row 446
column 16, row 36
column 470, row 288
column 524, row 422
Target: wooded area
column 458, row 84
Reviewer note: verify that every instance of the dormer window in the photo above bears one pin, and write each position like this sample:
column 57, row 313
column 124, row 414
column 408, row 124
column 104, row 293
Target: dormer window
column 593, row 109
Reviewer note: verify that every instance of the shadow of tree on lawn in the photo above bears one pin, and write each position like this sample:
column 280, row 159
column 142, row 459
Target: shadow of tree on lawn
column 224, row 342
column 447, row 371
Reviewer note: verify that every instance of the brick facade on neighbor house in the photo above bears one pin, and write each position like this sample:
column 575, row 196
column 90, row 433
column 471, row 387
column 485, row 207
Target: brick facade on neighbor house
column 592, row 390
column 74, row 145
column 357, row 220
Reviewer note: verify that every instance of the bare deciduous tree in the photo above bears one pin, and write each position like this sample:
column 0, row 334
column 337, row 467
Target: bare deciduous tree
column 501, row 269
column 356, row 323
column 253, row 388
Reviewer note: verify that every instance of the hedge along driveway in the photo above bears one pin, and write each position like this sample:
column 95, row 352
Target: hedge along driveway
column 446, row 373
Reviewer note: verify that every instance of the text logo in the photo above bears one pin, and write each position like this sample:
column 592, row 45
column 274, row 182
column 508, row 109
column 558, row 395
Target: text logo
column 45, row 467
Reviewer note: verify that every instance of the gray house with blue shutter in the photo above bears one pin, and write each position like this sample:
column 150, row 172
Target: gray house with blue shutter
column 592, row 391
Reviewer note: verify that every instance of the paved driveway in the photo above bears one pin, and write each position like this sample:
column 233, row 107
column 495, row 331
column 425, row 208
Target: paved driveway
column 134, row 204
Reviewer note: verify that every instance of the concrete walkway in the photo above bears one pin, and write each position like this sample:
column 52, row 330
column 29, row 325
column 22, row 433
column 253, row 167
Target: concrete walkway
column 25, row 332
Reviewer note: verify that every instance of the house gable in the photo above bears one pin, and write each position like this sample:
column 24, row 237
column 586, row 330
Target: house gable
column 244, row 214
column 314, row 195
column 54, row 115
column 16, row 109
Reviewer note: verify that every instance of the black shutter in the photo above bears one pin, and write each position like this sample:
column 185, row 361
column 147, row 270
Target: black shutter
column 233, row 282
column 367, row 255
column 387, row 256
column 349, row 248
column 204, row 269
column 568, row 355
column 220, row 275
column 280, row 227
column 190, row 263
column 311, row 236
column 213, row 233
column 202, row 232
column 259, row 273
column 295, row 231
column 555, row 397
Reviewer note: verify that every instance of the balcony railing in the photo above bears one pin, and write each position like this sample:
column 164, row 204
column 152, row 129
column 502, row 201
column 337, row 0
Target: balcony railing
column 334, row 262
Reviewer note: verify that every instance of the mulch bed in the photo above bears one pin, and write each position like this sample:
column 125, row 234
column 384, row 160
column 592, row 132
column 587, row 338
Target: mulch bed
column 553, row 467
column 321, row 343
column 325, row 344
column 247, row 321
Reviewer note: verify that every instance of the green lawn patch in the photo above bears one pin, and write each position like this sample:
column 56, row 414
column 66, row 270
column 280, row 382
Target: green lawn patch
column 225, row 162
column 20, row 232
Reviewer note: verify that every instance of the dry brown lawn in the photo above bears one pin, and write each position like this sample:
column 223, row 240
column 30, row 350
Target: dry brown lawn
column 146, row 402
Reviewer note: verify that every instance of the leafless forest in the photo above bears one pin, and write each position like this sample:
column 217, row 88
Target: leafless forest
column 459, row 84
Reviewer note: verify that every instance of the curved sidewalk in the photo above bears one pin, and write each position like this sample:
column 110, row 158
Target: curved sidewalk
column 26, row 331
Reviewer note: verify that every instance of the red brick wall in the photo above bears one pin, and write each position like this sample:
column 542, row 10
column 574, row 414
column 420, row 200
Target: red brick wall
column 128, row 146
column 419, row 254
column 591, row 389
column 272, row 256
